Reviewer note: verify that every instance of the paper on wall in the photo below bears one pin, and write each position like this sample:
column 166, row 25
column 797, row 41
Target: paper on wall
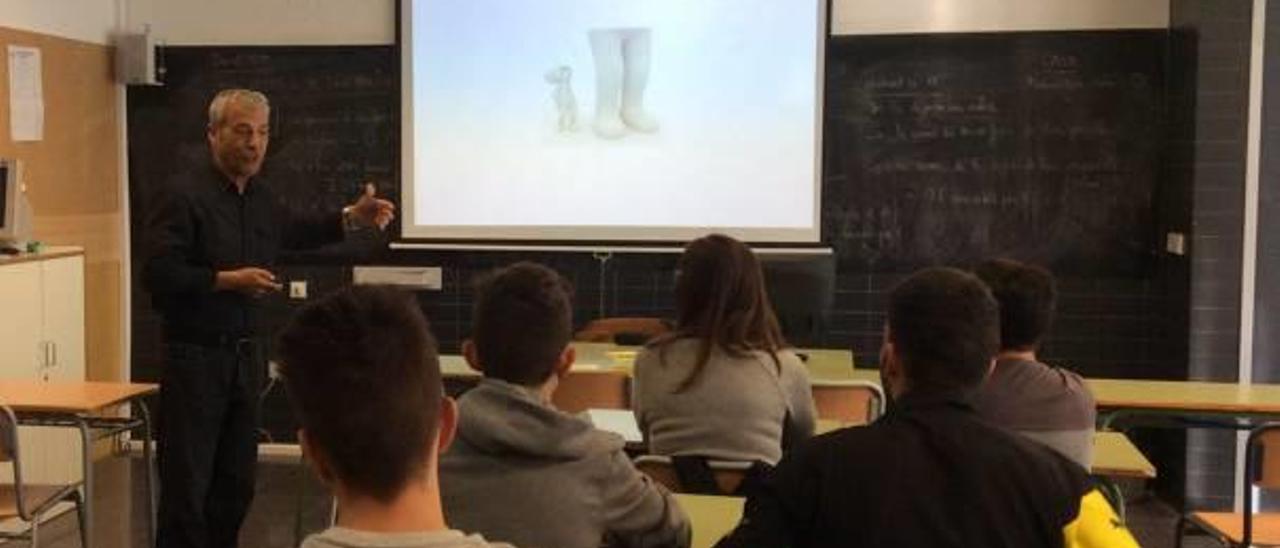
column 26, row 94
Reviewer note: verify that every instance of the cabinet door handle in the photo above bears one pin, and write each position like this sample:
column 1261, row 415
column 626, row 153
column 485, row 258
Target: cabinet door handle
column 53, row 350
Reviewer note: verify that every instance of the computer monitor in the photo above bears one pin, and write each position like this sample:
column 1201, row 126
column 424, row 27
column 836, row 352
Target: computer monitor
column 15, row 211
column 802, row 290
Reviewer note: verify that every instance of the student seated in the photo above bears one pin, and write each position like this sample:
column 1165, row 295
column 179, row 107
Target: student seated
column 1048, row 404
column 722, row 385
column 930, row 472
column 362, row 373
column 521, row 471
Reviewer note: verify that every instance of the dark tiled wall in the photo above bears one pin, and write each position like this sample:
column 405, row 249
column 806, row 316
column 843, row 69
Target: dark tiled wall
column 1266, row 332
column 1266, row 338
column 1209, row 121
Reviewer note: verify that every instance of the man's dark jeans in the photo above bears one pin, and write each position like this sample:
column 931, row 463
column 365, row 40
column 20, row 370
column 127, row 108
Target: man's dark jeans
column 208, row 442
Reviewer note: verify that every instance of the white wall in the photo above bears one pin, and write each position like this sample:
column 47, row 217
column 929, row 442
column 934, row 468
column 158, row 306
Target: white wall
column 915, row 16
column 84, row 20
column 319, row 22
column 265, row 22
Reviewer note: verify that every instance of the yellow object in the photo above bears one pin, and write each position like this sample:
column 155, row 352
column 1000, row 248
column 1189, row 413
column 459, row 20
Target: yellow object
column 1097, row 526
column 712, row 517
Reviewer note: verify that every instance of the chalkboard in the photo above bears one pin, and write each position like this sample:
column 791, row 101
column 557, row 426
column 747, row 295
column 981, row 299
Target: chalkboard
column 951, row 148
column 335, row 121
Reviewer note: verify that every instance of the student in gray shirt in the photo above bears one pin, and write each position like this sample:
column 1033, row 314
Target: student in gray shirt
column 722, row 385
column 1048, row 404
column 363, row 375
column 522, row 471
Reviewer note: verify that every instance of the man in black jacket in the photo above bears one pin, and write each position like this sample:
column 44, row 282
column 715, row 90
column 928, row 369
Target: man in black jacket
column 929, row 473
column 214, row 234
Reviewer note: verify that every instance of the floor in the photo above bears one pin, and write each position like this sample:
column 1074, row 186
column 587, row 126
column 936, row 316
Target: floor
column 274, row 521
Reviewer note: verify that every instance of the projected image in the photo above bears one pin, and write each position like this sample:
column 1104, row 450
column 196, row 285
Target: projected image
column 619, row 119
column 622, row 73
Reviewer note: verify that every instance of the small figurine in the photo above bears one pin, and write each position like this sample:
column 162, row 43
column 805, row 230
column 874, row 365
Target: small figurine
column 562, row 94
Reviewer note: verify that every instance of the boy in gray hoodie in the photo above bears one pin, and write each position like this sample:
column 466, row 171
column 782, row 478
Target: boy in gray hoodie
column 363, row 375
column 521, row 471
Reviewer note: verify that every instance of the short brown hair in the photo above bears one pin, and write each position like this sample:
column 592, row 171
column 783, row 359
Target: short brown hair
column 363, row 374
column 945, row 326
column 1028, row 297
column 523, row 320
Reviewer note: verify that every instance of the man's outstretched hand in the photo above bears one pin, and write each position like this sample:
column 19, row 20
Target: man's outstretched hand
column 371, row 210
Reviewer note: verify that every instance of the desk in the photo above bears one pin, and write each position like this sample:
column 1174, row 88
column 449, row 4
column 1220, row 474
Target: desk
column 711, row 517
column 73, row 405
column 823, row 364
column 1184, row 398
column 1114, row 456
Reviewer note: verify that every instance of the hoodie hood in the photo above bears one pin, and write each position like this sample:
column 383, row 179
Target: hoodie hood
column 497, row 417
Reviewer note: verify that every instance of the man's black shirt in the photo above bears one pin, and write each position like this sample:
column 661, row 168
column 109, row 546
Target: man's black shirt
column 199, row 224
column 929, row 473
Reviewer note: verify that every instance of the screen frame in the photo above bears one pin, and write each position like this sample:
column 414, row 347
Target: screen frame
column 581, row 234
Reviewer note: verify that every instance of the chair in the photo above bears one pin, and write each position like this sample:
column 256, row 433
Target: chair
column 625, row 331
column 30, row 503
column 582, row 390
column 1241, row 529
column 727, row 475
column 848, row 402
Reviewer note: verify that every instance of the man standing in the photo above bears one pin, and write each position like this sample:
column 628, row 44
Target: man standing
column 215, row 232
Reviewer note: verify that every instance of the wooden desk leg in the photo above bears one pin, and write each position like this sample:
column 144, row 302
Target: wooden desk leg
column 86, row 442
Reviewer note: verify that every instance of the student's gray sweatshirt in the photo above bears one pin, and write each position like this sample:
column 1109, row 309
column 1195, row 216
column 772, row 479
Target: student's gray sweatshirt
column 339, row 537
column 1048, row 404
column 520, row 471
column 737, row 409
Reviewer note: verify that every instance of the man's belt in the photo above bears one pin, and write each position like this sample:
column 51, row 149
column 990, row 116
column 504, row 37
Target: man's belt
column 240, row 342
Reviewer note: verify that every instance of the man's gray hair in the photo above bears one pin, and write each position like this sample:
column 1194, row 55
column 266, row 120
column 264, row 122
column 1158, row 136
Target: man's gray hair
column 218, row 106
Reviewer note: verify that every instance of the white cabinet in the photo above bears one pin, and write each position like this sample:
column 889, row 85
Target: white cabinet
column 42, row 337
column 21, row 325
column 63, row 320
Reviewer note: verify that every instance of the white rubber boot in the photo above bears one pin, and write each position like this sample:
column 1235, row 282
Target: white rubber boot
column 635, row 60
column 606, row 49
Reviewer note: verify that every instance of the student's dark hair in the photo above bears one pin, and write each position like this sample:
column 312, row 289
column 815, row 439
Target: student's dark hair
column 945, row 326
column 722, row 302
column 363, row 374
column 523, row 320
column 1028, row 297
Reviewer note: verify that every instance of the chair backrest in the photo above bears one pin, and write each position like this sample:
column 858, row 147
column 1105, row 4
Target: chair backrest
column 582, row 390
column 848, row 402
column 1265, row 440
column 11, row 452
column 1262, row 469
column 728, row 475
column 635, row 331
column 8, row 435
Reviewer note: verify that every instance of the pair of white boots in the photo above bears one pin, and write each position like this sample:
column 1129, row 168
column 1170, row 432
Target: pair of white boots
column 622, row 74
